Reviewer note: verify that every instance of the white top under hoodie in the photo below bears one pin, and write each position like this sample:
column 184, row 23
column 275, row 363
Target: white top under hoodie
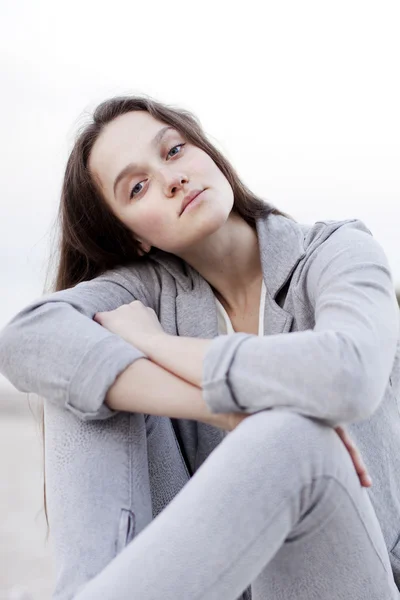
column 224, row 323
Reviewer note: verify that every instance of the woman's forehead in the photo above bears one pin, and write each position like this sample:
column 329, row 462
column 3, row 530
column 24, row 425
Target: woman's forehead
column 131, row 132
column 138, row 123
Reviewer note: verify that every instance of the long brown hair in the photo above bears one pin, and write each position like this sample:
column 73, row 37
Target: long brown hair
column 92, row 239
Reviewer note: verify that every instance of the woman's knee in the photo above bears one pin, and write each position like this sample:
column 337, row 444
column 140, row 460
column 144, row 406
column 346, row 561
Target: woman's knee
column 283, row 426
column 291, row 439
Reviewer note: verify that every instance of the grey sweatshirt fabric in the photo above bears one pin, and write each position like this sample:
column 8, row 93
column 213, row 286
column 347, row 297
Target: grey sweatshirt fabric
column 329, row 285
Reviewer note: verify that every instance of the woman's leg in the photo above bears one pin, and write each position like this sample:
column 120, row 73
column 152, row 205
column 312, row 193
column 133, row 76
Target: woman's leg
column 104, row 482
column 279, row 492
column 336, row 552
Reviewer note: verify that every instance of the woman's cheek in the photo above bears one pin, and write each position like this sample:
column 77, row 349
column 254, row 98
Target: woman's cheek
column 152, row 226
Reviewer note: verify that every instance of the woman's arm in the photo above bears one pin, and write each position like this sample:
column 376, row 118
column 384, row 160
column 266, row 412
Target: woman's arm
column 54, row 348
column 180, row 355
column 336, row 372
column 144, row 387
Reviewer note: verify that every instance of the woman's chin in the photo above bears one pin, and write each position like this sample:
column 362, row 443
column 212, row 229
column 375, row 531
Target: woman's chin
column 209, row 224
column 197, row 229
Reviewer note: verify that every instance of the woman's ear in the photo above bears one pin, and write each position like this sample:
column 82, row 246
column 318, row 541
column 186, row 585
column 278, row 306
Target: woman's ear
column 143, row 248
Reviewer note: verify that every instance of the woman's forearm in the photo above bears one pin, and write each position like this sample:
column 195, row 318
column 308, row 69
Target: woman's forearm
column 182, row 356
column 147, row 388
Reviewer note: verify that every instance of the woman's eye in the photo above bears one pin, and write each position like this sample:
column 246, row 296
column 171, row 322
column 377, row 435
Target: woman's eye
column 178, row 146
column 133, row 193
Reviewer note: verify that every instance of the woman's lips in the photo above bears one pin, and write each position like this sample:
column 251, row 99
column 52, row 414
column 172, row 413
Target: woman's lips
column 192, row 202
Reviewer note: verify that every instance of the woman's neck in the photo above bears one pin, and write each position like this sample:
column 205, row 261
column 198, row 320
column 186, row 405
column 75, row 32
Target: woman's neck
column 229, row 260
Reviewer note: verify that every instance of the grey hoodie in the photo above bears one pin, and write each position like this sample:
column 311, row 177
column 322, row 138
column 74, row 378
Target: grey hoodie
column 329, row 285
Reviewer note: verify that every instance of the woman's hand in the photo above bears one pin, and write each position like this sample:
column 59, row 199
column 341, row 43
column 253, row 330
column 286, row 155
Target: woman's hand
column 133, row 322
column 352, row 449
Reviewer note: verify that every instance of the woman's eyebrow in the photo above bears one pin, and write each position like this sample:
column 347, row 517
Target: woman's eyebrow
column 132, row 166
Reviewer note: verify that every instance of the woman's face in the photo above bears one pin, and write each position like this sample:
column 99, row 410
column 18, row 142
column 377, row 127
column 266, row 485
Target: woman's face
column 145, row 170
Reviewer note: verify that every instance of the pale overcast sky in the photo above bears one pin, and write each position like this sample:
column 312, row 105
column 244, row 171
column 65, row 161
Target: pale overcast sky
column 303, row 98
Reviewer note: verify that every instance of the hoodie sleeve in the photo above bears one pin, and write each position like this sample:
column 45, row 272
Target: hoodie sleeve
column 336, row 372
column 54, row 348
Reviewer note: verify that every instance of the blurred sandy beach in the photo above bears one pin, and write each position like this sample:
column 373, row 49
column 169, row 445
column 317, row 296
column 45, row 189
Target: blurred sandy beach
column 25, row 555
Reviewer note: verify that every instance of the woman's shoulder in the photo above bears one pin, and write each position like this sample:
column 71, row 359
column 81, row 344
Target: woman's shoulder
column 344, row 229
column 291, row 249
column 330, row 237
column 342, row 242
column 340, row 251
column 160, row 272
column 279, row 231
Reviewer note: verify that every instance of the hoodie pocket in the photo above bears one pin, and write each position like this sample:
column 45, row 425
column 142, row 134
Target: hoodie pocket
column 395, row 562
column 126, row 529
column 396, row 549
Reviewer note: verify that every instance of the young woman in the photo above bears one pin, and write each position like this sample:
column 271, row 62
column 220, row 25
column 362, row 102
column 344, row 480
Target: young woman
column 199, row 358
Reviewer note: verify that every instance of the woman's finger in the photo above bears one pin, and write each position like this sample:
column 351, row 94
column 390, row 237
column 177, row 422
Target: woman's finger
column 355, row 455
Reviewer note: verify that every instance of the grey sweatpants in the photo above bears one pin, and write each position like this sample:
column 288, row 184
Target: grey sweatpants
column 277, row 505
